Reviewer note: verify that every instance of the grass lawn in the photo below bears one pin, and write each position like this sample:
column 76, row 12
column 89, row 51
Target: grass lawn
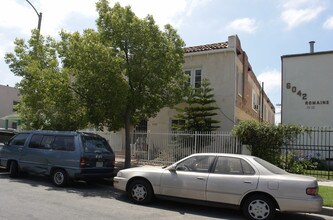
column 327, row 193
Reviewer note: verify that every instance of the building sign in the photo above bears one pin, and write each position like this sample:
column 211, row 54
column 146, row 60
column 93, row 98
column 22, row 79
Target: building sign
column 304, row 96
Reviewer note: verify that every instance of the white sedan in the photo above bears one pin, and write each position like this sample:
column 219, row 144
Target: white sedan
column 244, row 182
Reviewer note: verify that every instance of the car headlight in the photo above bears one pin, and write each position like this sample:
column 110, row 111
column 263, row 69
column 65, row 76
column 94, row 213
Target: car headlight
column 119, row 174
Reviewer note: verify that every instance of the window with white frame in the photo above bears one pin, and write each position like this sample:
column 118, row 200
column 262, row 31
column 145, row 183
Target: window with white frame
column 255, row 101
column 195, row 76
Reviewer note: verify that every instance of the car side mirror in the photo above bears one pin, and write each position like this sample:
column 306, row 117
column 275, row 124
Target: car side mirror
column 172, row 168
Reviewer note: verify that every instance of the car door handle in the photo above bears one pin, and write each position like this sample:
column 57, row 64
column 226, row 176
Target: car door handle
column 248, row 182
column 200, row 178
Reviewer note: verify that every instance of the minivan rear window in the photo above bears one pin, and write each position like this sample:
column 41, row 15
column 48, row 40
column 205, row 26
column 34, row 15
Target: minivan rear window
column 92, row 144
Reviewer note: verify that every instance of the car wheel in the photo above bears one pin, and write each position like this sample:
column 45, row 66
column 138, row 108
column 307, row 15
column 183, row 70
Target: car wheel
column 259, row 207
column 140, row 192
column 13, row 169
column 59, row 177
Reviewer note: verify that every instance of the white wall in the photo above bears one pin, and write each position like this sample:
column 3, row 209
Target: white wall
column 307, row 89
column 219, row 68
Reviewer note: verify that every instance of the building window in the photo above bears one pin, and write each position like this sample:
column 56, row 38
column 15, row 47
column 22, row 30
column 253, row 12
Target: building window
column 195, row 76
column 176, row 123
column 255, row 101
column 197, row 79
column 14, row 125
column 240, row 81
column 15, row 103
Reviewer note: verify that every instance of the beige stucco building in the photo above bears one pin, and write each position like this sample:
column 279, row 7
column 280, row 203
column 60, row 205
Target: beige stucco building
column 9, row 97
column 237, row 92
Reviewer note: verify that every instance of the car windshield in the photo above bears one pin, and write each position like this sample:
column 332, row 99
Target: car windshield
column 95, row 144
column 270, row 167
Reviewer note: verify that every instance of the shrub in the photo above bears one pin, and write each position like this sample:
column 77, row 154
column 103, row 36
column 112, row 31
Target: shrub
column 264, row 139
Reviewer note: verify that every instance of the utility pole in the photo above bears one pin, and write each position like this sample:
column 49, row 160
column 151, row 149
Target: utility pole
column 262, row 103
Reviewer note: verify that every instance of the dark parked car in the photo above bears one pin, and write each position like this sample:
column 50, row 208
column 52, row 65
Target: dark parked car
column 5, row 135
column 63, row 155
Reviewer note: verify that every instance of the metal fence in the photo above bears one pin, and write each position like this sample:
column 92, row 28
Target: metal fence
column 170, row 147
column 311, row 153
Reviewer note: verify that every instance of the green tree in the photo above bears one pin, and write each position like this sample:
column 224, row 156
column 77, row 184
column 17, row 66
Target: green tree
column 264, row 139
column 96, row 77
column 115, row 76
column 150, row 62
column 46, row 102
column 197, row 116
column 200, row 110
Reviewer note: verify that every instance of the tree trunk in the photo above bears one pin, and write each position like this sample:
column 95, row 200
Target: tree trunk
column 127, row 141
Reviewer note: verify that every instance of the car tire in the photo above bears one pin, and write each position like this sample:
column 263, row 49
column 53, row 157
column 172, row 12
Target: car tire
column 59, row 177
column 140, row 192
column 13, row 169
column 259, row 207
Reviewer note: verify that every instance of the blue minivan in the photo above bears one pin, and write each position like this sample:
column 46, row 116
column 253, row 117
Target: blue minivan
column 62, row 155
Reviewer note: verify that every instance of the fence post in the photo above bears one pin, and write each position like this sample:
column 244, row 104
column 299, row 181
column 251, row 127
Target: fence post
column 329, row 160
column 195, row 142
column 148, row 145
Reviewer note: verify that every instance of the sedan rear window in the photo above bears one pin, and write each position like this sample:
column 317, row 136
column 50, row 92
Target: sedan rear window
column 270, row 167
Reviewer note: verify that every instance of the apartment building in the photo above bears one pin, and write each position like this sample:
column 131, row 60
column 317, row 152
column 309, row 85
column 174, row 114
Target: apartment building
column 238, row 94
column 9, row 97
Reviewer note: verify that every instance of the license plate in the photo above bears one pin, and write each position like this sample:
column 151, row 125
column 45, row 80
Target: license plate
column 99, row 164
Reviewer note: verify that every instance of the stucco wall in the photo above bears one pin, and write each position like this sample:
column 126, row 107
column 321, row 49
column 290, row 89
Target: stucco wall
column 307, row 89
column 219, row 68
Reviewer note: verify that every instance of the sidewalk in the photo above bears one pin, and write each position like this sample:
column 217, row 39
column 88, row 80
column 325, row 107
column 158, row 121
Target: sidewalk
column 325, row 183
column 326, row 210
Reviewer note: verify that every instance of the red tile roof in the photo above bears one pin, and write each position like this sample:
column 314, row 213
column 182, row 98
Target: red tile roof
column 215, row 46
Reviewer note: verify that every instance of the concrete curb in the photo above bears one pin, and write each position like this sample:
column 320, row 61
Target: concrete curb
column 327, row 211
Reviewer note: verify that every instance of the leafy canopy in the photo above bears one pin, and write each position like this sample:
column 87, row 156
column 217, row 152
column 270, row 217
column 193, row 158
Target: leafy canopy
column 114, row 77
column 150, row 61
column 46, row 101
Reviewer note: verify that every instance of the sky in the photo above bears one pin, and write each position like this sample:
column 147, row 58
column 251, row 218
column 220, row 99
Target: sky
column 267, row 29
